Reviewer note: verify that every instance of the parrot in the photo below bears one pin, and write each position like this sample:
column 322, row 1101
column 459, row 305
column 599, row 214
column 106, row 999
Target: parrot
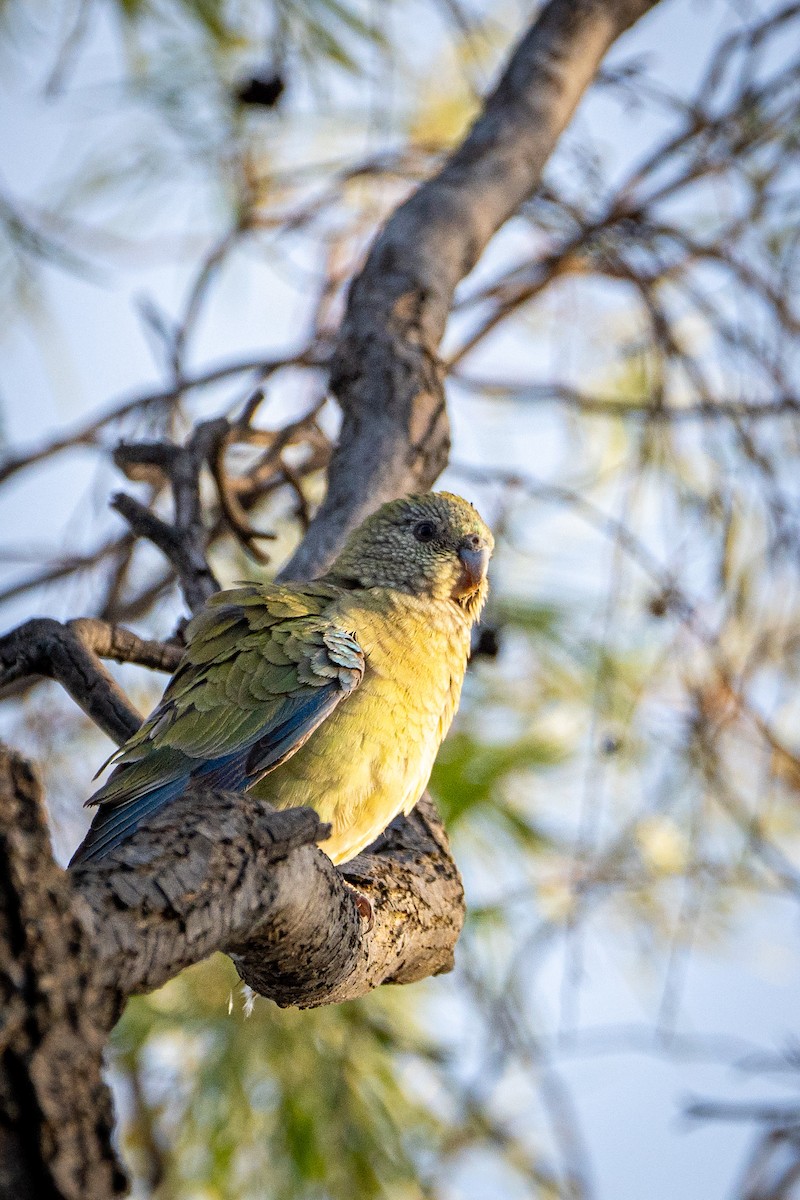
column 334, row 694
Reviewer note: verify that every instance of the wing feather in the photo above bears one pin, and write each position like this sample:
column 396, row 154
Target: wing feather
column 263, row 668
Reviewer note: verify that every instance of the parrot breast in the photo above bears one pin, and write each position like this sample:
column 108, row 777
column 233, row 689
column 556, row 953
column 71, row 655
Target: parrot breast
column 372, row 758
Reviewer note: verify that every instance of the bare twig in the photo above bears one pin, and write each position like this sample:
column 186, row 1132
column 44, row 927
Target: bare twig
column 623, row 406
column 88, row 434
column 185, row 541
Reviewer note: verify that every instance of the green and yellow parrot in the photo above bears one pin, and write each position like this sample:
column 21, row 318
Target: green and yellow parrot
column 334, row 694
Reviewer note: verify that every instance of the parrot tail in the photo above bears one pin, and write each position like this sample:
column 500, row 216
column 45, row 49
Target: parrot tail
column 114, row 822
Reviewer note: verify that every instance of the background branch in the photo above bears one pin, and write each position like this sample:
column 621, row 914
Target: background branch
column 386, row 371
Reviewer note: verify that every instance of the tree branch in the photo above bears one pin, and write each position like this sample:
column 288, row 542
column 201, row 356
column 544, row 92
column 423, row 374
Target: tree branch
column 184, row 542
column 386, row 370
column 224, row 871
column 55, row 1109
column 71, row 654
column 221, row 871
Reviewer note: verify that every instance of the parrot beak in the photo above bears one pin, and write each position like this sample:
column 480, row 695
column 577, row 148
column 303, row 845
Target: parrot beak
column 473, row 554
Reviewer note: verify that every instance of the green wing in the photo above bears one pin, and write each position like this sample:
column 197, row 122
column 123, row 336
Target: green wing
column 264, row 666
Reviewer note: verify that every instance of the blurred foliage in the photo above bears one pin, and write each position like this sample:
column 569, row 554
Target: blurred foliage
column 226, row 1094
column 261, row 1102
column 622, row 781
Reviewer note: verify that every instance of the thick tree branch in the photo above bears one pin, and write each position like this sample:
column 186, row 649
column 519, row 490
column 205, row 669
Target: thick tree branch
column 55, row 1109
column 386, row 371
column 224, row 871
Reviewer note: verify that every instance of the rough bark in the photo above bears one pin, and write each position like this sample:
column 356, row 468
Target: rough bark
column 224, row 871
column 214, row 871
column 386, row 370
column 55, row 1110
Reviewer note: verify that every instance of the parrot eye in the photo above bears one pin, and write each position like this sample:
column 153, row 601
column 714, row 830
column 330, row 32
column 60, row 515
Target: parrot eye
column 424, row 531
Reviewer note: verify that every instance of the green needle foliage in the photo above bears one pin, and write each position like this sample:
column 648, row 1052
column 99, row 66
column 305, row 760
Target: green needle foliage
column 246, row 1099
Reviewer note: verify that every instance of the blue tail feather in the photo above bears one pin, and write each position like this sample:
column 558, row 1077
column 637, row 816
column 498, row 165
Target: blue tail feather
column 113, row 824
column 295, row 721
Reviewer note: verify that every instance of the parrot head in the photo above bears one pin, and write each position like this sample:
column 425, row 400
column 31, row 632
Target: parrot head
column 433, row 545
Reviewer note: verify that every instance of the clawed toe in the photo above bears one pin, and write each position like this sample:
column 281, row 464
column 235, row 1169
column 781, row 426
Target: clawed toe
column 365, row 909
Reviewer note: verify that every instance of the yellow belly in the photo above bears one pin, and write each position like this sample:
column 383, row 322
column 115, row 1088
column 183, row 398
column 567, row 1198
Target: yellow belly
column 372, row 758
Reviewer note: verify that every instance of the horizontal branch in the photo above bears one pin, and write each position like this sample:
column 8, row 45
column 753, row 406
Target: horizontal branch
column 124, row 646
column 71, row 654
column 750, row 1111
column 224, row 871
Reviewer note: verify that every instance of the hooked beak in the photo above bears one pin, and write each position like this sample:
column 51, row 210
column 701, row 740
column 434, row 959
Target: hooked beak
column 473, row 554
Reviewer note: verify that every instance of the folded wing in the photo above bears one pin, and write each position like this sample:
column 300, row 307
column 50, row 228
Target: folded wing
column 263, row 668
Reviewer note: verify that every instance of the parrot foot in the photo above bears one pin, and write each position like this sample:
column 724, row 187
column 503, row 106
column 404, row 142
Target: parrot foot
column 365, row 909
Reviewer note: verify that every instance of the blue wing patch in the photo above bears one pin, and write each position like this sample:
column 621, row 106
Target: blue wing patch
column 289, row 727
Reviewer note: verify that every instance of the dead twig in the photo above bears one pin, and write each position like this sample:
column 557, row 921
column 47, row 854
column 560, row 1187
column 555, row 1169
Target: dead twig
column 185, row 541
